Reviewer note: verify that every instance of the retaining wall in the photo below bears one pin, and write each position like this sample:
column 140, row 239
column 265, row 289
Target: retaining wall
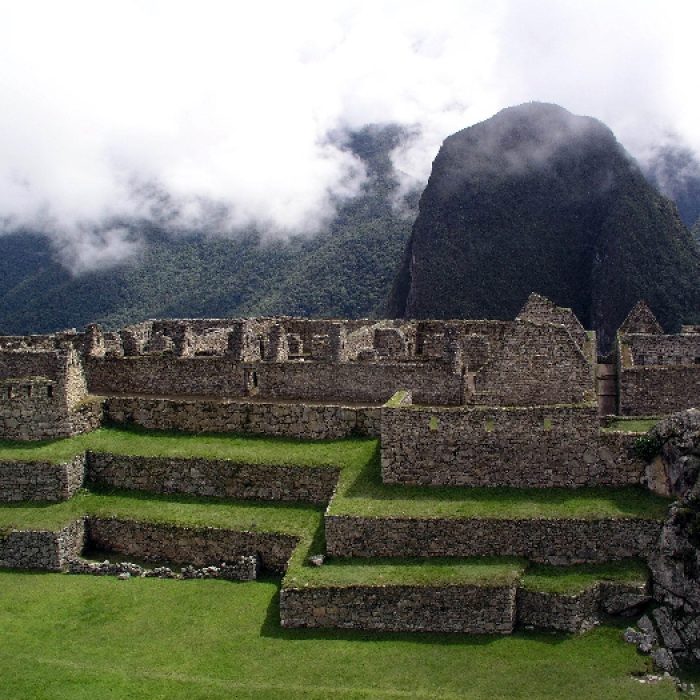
column 307, row 421
column 466, row 609
column 41, row 481
column 214, row 478
column 354, row 382
column 556, row 541
column 540, row 446
column 41, row 549
column 188, row 545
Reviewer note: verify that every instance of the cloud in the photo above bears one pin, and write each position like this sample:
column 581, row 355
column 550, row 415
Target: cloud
column 220, row 115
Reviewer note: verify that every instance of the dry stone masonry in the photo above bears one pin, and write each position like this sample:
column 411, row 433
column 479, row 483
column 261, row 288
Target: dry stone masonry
column 460, row 403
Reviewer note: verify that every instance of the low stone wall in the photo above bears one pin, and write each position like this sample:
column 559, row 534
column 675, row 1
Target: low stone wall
column 188, row 545
column 40, row 481
column 538, row 447
column 41, row 549
column 578, row 612
column 557, row 541
column 658, row 391
column 309, row 421
column 466, row 609
column 557, row 611
column 214, row 478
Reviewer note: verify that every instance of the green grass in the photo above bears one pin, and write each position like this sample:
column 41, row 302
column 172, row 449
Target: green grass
column 192, row 511
column 476, row 571
column 151, row 443
column 408, row 572
column 632, row 425
column 89, row 638
column 360, row 492
column 574, row 579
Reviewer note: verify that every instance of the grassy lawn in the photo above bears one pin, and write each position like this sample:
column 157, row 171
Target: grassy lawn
column 151, row 443
column 88, row 638
column 293, row 519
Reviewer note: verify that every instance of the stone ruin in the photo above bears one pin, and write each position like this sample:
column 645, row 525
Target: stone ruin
column 531, row 390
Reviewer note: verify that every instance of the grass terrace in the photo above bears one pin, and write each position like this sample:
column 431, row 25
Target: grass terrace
column 152, row 443
column 407, row 572
column 254, row 516
column 574, row 579
column 631, row 425
column 362, row 493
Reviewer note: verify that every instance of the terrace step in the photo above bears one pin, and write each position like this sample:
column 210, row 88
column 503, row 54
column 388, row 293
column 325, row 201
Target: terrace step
column 466, row 596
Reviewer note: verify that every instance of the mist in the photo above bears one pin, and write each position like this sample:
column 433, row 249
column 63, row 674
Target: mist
column 219, row 117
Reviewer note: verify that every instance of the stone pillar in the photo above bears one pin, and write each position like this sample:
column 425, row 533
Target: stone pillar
column 278, row 348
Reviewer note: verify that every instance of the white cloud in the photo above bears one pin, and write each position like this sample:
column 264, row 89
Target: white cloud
column 228, row 106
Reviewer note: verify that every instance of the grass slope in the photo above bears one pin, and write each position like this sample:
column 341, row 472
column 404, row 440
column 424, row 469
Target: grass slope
column 81, row 638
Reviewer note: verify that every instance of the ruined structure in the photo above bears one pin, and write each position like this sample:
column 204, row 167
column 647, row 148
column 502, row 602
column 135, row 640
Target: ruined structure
column 326, row 378
column 455, row 403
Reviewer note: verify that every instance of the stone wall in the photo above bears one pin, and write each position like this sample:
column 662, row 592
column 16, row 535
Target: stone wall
column 553, row 541
column 188, row 545
column 41, row 549
column 213, row 478
column 298, row 420
column 541, row 310
column 541, row 447
column 557, row 611
column 537, row 364
column 643, row 350
column 657, row 391
column 40, row 481
column 460, row 608
column 354, row 382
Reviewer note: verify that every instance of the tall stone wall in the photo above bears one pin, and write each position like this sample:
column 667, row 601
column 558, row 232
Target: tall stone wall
column 188, row 545
column 540, row 447
column 459, row 608
column 307, row 421
column 658, row 390
column 552, row 541
column 212, row 478
column 40, row 481
column 41, row 549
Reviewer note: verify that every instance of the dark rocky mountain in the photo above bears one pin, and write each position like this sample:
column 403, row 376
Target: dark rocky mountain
column 537, row 199
column 346, row 270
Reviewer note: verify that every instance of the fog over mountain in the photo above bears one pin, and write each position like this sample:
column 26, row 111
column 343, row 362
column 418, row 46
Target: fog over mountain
column 538, row 199
column 122, row 118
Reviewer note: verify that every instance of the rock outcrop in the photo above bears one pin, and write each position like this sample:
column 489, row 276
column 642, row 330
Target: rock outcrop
column 671, row 633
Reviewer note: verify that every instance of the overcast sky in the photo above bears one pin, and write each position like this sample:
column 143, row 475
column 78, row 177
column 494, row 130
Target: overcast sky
column 180, row 109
